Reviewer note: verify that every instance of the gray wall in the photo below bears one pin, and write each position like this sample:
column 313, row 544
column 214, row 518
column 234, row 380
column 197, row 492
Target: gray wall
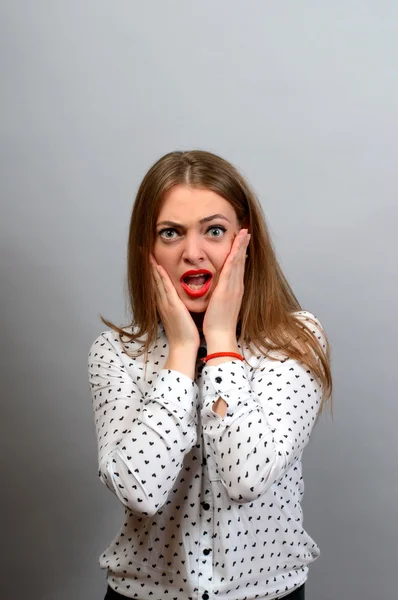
column 302, row 96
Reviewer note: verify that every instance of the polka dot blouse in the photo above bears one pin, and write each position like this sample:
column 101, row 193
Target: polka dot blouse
column 212, row 504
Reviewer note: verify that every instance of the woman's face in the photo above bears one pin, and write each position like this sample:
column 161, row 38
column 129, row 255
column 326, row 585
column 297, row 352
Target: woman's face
column 195, row 230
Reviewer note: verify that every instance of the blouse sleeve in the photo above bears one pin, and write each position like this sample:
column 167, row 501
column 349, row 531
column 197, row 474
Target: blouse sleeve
column 142, row 438
column 269, row 420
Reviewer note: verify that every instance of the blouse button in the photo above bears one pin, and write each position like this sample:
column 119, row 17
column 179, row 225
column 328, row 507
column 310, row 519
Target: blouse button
column 206, row 506
column 206, row 551
column 218, row 379
column 205, row 596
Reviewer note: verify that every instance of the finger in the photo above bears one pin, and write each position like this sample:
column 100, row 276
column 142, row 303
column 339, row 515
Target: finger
column 228, row 273
column 166, row 286
column 235, row 272
column 165, row 279
column 240, row 270
column 153, row 260
column 154, row 269
column 236, row 269
column 157, row 278
column 246, row 248
column 236, row 250
column 244, row 245
column 242, row 242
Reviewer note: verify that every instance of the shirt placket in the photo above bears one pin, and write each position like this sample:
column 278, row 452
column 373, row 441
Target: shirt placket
column 206, row 536
column 205, row 554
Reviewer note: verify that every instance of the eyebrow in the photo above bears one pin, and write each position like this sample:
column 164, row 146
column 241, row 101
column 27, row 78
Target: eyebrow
column 204, row 220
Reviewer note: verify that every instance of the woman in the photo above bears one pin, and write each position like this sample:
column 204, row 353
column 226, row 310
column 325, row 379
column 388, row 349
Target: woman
column 205, row 402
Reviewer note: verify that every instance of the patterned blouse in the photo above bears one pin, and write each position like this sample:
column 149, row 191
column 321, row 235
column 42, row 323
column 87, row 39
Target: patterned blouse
column 212, row 504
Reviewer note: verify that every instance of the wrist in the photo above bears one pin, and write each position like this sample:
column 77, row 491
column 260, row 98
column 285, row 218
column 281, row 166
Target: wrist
column 222, row 345
column 182, row 359
column 183, row 350
column 218, row 360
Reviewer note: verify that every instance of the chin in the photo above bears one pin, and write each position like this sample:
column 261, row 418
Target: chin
column 197, row 310
column 196, row 306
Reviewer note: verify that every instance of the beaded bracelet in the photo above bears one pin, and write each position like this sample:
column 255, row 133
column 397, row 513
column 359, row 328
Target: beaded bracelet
column 218, row 354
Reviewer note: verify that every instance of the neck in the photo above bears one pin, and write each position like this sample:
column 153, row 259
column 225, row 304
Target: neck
column 198, row 320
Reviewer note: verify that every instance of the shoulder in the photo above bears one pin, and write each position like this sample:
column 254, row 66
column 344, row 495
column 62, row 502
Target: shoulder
column 107, row 341
column 309, row 320
column 271, row 355
column 111, row 341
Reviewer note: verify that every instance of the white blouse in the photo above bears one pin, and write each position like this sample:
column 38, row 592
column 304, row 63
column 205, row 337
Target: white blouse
column 212, row 504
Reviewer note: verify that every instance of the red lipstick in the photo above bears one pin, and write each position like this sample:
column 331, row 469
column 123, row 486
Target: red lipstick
column 201, row 291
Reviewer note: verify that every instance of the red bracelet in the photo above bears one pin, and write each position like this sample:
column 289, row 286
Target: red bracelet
column 218, row 354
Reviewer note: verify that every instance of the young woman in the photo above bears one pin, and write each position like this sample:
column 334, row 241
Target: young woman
column 204, row 403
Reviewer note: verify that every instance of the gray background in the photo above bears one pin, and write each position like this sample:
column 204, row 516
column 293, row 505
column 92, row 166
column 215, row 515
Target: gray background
column 303, row 97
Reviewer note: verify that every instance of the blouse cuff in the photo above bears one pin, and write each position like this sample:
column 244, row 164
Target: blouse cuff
column 227, row 381
column 173, row 387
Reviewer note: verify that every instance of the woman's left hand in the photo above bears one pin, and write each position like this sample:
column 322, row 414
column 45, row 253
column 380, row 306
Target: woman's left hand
column 222, row 313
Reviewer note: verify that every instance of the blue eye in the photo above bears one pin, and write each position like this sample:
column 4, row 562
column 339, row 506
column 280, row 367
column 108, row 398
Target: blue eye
column 219, row 228
column 168, row 233
column 167, row 237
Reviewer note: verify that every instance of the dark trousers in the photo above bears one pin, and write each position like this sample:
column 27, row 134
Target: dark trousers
column 298, row 594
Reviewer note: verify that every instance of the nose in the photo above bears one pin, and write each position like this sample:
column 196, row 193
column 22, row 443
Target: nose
column 193, row 251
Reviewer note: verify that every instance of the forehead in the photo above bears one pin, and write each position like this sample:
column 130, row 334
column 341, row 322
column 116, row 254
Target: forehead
column 188, row 205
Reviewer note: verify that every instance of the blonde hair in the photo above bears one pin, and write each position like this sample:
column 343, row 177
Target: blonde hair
column 266, row 320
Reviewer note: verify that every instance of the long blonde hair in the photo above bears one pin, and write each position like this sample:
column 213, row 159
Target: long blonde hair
column 266, row 321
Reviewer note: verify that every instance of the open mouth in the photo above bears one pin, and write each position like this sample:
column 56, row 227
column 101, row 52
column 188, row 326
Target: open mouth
column 196, row 284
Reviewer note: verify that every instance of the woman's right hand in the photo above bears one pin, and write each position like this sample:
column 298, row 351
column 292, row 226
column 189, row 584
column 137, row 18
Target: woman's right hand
column 181, row 331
